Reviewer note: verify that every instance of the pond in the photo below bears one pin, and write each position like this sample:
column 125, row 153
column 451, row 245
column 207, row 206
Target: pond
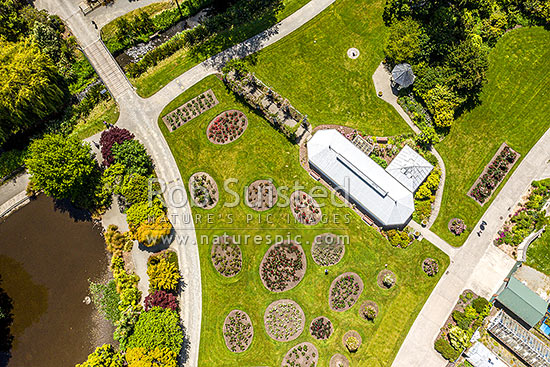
column 46, row 259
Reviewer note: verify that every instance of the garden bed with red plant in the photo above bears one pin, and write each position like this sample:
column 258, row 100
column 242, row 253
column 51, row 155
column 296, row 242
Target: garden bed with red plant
column 301, row 355
column 493, row 174
column 261, row 195
column 345, row 291
column 238, row 331
column 283, row 266
column 189, row 110
column 305, row 209
column 321, row 328
column 227, row 127
column 226, row 256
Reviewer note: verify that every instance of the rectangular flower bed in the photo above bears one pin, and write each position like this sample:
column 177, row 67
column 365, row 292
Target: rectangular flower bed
column 190, row 109
column 493, row 174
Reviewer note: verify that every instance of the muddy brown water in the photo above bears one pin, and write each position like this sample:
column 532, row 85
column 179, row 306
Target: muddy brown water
column 46, row 259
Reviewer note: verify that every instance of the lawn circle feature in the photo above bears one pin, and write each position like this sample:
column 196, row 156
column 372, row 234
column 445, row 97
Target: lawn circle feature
column 305, row 208
column 204, row 190
column 226, row 256
column 363, row 310
column 237, row 331
column 456, row 226
column 430, row 266
column 339, row 360
column 352, row 334
column 321, row 328
column 227, row 127
column 385, row 275
column 284, row 320
column 301, row 355
column 345, row 291
column 261, row 195
column 353, row 53
column 283, row 266
column 327, row 249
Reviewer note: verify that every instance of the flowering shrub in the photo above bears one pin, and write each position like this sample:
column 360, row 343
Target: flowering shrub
column 161, row 299
column 283, row 266
column 399, row 238
column 369, row 312
column 430, row 267
column 344, row 291
column 494, row 173
column 320, row 328
column 352, row 343
column 457, row 226
column 237, row 331
column 110, row 137
column 227, row 127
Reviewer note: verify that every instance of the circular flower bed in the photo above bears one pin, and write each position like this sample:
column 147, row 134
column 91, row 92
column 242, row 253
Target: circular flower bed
column 339, row 360
column 456, row 226
column 301, row 355
column 227, row 127
column 368, row 310
column 204, row 190
column 305, row 208
column 430, row 267
column 386, row 279
column 226, row 256
column 261, row 195
column 327, row 249
column 284, row 320
column 237, row 331
column 352, row 341
column 344, row 291
column 321, row 328
column 283, row 266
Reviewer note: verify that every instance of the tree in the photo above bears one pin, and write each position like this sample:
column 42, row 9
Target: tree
column 157, row 328
column 135, row 188
column 133, row 156
column 142, row 357
column 441, row 102
column 47, row 40
column 405, row 41
column 150, row 233
column 29, row 87
column 162, row 299
column 163, row 275
column 108, row 138
column 469, row 63
column 63, row 167
column 142, row 212
column 12, row 25
column 104, row 356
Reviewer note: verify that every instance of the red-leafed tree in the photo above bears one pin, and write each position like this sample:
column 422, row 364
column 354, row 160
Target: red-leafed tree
column 110, row 137
column 161, row 299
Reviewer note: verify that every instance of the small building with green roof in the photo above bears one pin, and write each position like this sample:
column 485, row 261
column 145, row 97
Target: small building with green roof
column 524, row 303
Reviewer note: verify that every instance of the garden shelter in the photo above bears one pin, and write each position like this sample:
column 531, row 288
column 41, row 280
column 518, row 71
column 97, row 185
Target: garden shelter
column 409, row 168
column 402, row 75
column 365, row 183
column 480, row 356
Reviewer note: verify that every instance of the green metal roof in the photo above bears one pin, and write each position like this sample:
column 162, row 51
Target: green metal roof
column 523, row 302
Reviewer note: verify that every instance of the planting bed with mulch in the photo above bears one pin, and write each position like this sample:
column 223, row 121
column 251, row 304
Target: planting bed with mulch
column 261, row 195
column 339, row 360
column 305, row 208
column 327, row 249
column 301, row 355
column 345, row 291
column 238, row 331
column 352, row 334
column 227, row 127
column 364, row 310
column 493, row 174
column 430, row 266
column 226, row 256
column 382, row 276
column 284, row 320
column 203, row 190
column 189, row 110
column 456, row 226
column 283, row 266
column 321, row 328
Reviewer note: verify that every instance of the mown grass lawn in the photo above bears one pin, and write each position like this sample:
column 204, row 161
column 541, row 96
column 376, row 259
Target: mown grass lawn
column 514, row 110
column 310, row 67
column 538, row 254
column 263, row 153
column 93, row 123
column 158, row 76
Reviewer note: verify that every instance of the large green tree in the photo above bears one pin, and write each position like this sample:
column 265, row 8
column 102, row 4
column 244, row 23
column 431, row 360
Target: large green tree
column 405, row 41
column 29, row 87
column 64, row 168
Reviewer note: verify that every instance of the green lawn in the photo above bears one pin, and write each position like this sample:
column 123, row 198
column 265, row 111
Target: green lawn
column 157, row 77
column 264, row 153
column 310, row 68
column 514, row 110
column 538, row 254
column 93, row 123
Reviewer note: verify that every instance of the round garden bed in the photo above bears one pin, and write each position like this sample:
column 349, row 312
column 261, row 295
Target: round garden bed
column 238, row 331
column 204, row 190
column 321, row 328
column 261, row 195
column 349, row 343
column 305, row 208
column 430, row 266
column 456, row 226
column 227, row 127
column 283, row 266
column 284, row 320
column 345, row 291
column 384, row 277
column 226, row 256
column 368, row 310
column 339, row 360
column 327, row 249
column 301, row 355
